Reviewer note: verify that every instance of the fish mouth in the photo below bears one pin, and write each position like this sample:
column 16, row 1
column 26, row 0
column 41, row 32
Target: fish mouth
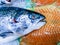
column 43, row 20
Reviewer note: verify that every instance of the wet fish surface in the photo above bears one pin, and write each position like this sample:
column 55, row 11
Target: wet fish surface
column 15, row 20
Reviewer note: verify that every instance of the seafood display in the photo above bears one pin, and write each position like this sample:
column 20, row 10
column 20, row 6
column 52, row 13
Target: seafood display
column 32, row 22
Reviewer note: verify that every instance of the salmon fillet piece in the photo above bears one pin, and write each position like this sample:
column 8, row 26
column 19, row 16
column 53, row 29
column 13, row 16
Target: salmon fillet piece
column 43, row 2
column 46, row 2
column 49, row 34
column 58, row 2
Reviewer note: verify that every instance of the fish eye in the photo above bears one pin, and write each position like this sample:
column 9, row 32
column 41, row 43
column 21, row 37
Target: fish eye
column 34, row 16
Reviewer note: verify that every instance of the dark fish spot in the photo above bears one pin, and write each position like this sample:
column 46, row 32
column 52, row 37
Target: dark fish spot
column 15, row 21
column 5, row 34
column 9, row 0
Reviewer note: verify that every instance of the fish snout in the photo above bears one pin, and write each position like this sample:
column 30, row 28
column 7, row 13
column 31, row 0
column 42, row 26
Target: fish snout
column 42, row 18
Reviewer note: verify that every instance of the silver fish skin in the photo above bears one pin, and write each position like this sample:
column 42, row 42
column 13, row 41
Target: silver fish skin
column 19, row 22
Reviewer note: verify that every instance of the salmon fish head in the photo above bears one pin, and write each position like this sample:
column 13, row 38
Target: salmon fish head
column 16, row 22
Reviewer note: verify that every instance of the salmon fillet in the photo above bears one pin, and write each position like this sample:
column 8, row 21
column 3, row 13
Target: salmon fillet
column 46, row 2
column 58, row 2
column 49, row 34
column 43, row 2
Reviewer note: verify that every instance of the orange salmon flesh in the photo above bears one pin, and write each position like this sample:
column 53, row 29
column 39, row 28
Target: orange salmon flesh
column 49, row 34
